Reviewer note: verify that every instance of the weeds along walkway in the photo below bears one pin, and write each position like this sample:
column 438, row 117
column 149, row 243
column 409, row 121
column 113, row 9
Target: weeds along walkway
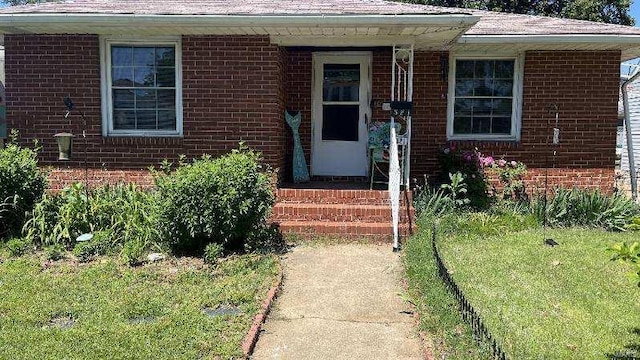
column 340, row 302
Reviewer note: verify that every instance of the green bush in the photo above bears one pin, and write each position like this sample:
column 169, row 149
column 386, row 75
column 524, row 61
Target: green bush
column 22, row 184
column 222, row 200
column 213, row 252
column 266, row 239
column 579, row 207
column 117, row 215
column 18, row 246
column 54, row 252
column 470, row 165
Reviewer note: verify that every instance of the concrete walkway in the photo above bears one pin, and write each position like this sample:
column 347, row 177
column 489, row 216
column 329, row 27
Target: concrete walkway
column 340, row 302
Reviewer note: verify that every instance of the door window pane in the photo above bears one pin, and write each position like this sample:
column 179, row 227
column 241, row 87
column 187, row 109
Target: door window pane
column 341, row 82
column 340, row 122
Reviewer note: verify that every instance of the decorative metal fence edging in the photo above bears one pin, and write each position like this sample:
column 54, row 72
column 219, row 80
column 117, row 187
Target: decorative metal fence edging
column 469, row 315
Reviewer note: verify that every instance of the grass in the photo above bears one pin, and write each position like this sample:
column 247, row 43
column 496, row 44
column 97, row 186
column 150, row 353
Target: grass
column 565, row 302
column 149, row 312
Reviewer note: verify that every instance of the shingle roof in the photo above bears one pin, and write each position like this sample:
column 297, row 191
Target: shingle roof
column 491, row 23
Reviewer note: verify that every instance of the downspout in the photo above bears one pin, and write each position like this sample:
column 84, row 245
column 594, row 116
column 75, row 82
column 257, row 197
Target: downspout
column 627, row 125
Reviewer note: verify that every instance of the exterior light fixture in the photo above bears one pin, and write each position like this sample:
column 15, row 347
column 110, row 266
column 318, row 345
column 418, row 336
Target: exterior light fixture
column 65, row 145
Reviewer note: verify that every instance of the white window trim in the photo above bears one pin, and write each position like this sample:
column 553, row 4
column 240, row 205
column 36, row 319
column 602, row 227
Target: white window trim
column 105, row 80
column 516, row 114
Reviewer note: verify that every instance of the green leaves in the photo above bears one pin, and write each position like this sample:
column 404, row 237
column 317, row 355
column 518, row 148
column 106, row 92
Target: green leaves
column 628, row 253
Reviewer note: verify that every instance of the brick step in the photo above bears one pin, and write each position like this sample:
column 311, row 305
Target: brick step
column 362, row 197
column 336, row 212
column 379, row 231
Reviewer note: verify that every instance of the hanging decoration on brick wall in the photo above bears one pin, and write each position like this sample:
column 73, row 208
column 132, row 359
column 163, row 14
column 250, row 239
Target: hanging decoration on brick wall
column 300, row 170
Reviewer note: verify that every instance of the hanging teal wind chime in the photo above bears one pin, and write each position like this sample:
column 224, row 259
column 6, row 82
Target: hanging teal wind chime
column 300, row 170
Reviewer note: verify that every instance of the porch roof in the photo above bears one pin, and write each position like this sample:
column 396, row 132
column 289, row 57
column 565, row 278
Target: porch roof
column 323, row 23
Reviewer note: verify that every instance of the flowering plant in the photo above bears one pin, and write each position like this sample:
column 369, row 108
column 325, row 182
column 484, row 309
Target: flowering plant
column 470, row 164
column 511, row 174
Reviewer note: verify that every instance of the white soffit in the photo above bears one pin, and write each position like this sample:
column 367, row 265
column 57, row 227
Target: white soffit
column 429, row 30
column 629, row 45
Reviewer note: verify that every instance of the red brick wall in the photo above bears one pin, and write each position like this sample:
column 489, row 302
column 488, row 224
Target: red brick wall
column 232, row 91
column 236, row 88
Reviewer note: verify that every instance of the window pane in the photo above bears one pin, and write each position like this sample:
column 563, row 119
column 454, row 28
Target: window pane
column 144, row 76
column 341, row 82
column 145, row 99
column 340, row 122
column 501, row 125
column 146, row 119
column 462, row 125
column 166, row 120
column 464, row 87
column 122, row 76
column 502, row 107
column 123, row 99
column 484, row 69
column 144, row 56
column 504, row 69
column 503, row 88
column 481, row 125
column 165, row 56
column 166, row 77
column 121, row 56
column 124, row 119
column 465, row 69
column 464, row 107
column 166, row 99
column 482, row 107
column 483, row 87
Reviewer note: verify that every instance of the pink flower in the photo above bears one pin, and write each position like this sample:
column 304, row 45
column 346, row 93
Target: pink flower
column 487, row 161
column 514, row 163
column 467, row 156
column 502, row 163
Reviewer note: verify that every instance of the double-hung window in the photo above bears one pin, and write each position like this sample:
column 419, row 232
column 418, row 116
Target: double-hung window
column 142, row 87
column 484, row 98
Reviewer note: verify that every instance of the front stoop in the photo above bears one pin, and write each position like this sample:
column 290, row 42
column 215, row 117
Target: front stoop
column 340, row 214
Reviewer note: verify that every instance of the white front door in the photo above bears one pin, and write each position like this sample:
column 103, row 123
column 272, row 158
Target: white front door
column 341, row 96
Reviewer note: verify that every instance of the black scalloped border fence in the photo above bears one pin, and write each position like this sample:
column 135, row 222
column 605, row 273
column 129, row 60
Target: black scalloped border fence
column 469, row 315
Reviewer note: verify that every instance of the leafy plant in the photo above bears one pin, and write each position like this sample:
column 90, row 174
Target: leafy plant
column 469, row 163
column 117, row 215
column 511, row 174
column 22, row 184
column 628, row 253
column 213, row 252
column 457, row 189
column 579, row 207
column 222, row 200
column 266, row 239
column 18, row 246
column 54, row 252
column 431, row 202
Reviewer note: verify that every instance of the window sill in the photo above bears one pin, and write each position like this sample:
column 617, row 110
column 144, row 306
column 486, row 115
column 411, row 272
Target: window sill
column 143, row 140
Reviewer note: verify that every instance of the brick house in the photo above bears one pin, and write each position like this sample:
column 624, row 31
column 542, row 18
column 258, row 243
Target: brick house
column 157, row 79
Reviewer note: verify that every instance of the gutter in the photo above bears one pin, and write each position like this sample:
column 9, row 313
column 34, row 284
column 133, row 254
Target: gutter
column 627, row 125
column 632, row 39
column 12, row 20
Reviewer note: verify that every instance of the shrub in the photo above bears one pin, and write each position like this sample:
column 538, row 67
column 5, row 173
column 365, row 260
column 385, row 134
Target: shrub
column 18, row 246
column 222, row 200
column 22, row 184
column 213, row 252
column 511, row 174
column 578, row 207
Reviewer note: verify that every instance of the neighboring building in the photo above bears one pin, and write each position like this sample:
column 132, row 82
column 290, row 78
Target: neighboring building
column 628, row 69
column 157, row 79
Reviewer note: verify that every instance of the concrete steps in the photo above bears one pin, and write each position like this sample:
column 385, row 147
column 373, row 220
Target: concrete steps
column 339, row 214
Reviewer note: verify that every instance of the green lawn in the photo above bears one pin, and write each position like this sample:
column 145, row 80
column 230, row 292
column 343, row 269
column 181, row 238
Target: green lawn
column 541, row 302
column 149, row 312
